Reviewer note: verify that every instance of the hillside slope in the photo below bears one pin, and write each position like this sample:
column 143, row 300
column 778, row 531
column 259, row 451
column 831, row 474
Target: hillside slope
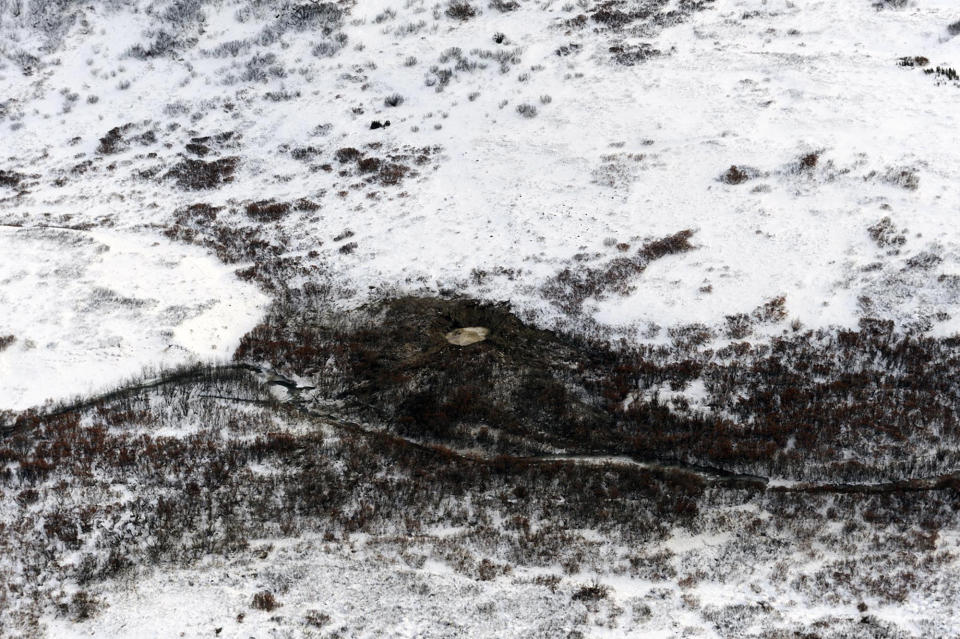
column 529, row 143
column 541, row 319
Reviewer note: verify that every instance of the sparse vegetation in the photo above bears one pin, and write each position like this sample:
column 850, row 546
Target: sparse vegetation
column 510, row 397
column 904, row 177
column 913, row 61
column 264, row 600
column 198, row 175
column 460, row 10
column 410, row 405
column 527, row 110
column 10, row 179
column 570, row 288
column 738, row 175
column 948, row 74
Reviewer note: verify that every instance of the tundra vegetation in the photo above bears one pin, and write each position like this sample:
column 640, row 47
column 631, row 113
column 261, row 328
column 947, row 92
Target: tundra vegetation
column 389, row 450
column 370, row 425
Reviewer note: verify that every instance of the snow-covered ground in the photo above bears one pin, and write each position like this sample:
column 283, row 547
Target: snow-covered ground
column 88, row 310
column 439, row 563
column 325, row 588
column 617, row 153
column 808, row 145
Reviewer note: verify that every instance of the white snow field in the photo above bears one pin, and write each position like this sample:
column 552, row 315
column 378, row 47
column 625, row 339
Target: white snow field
column 91, row 309
column 617, row 152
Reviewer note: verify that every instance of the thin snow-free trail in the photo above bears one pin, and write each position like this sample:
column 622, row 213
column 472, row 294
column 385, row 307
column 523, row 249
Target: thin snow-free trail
column 291, row 398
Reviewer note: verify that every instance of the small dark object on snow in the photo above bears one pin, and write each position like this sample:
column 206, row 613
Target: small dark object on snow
column 377, row 124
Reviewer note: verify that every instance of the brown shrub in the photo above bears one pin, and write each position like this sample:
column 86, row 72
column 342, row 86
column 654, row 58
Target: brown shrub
column 735, row 175
column 885, row 234
column 593, row 592
column 10, row 178
column 772, row 311
column 460, row 10
column 569, row 288
column 264, row 600
column 197, row 175
column 392, row 173
column 83, row 606
column 347, row 154
column 113, row 141
column 369, row 165
column 267, row 210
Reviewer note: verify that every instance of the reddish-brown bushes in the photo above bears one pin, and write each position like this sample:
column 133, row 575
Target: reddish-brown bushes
column 369, row 165
column 264, row 600
column 198, row 175
column 592, row 592
column 570, row 288
column 387, row 171
column 267, row 210
column 348, row 154
column 736, row 175
column 113, row 141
